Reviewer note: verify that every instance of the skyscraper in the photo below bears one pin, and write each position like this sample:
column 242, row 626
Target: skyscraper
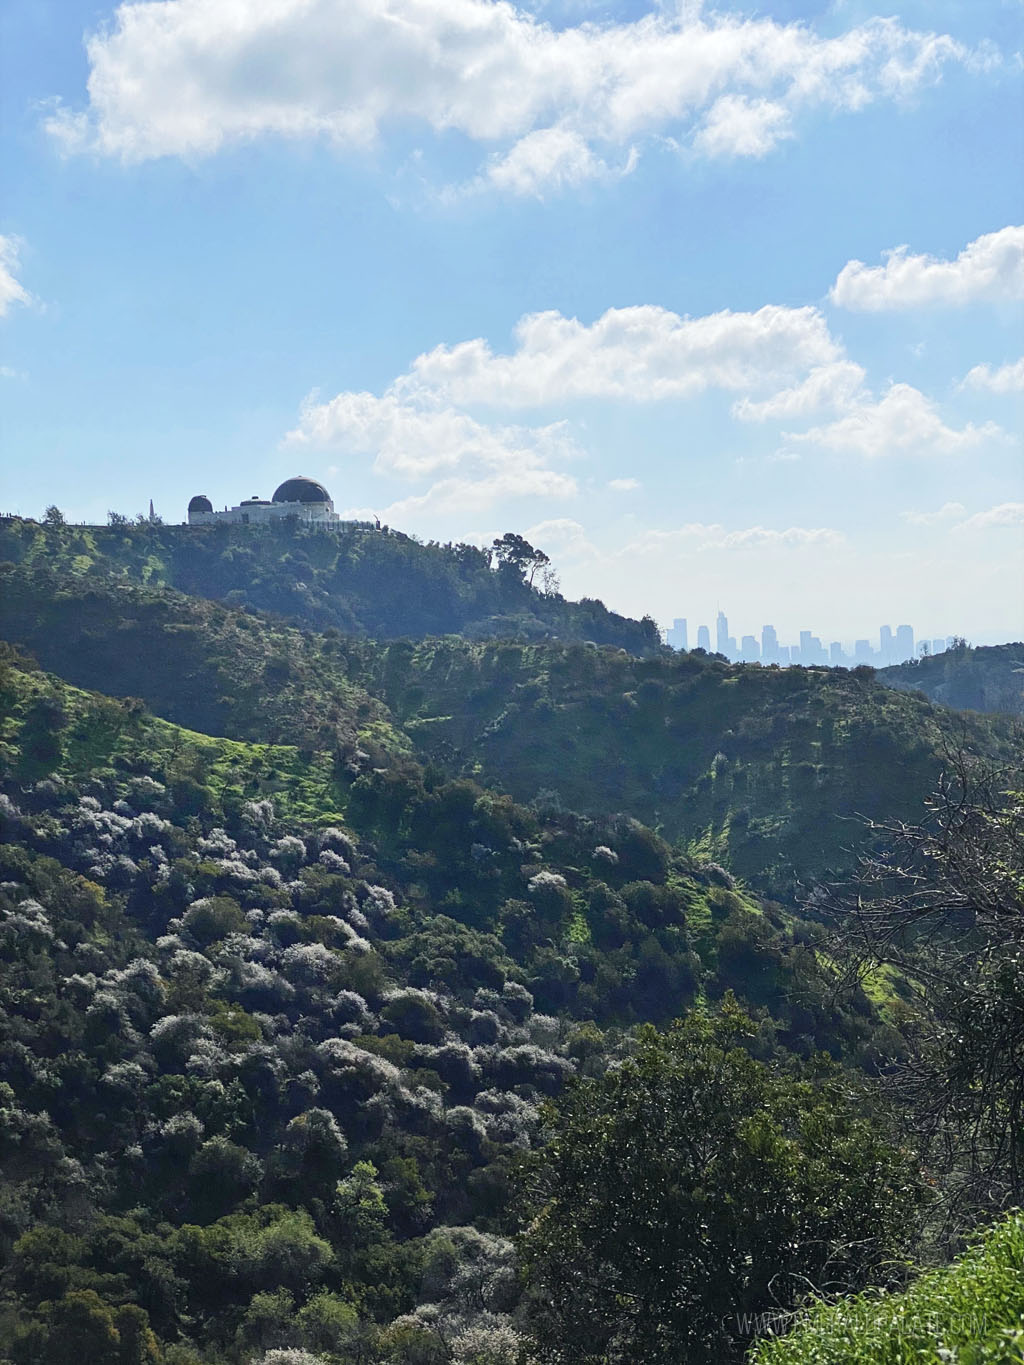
column 885, row 643
column 704, row 638
column 749, row 651
column 769, row 645
column 722, row 633
column 676, row 637
column 904, row 643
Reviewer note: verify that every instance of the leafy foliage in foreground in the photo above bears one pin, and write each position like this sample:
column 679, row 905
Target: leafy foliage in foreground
column 969, row 1313
column 692, row 1188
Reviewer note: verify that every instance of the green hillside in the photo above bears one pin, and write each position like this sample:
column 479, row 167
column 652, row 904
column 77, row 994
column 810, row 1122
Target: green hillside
column 770, row 771
column 379, row 583
column 274, row 1034
column 983, row 678
column 316, row 949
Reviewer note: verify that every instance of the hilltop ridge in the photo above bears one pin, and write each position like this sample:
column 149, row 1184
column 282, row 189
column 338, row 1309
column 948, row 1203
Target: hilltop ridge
column 358, row 580
column 979, row 678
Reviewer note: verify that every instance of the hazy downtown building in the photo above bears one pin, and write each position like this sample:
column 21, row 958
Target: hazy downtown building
column 676, row 635
column 704, row 638
column 721, row 633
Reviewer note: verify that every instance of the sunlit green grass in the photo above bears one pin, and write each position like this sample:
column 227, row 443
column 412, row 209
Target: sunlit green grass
column 969, row 1313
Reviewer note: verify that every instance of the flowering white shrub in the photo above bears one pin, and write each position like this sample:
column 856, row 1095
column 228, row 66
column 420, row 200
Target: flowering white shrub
column 543, row 881
column 309, row 963
column 289, row 852
column 337, row 841
column 334, row 862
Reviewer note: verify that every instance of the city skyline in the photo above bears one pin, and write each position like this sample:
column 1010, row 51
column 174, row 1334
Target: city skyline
column 895, row 645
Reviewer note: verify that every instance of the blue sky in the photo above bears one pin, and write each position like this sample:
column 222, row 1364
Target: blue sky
column 719, row 306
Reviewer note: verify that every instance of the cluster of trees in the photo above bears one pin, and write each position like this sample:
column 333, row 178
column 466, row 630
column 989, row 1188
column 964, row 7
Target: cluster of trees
column 644, row 1246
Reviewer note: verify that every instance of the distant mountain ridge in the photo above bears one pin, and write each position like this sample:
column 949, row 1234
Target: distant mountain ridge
column 983, row 678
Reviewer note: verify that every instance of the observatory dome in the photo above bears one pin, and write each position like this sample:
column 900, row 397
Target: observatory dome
column 301, row 489
column 200, row 504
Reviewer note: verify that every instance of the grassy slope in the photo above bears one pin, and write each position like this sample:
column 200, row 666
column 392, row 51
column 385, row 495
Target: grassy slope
column 969, row 1313
column 204, row 666
column 686, row 936
column 98, row 735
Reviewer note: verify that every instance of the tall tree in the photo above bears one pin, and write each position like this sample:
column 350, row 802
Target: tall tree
column 515, row 550
column 694, row 1188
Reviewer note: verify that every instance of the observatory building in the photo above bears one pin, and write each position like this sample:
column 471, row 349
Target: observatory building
column 301, row 498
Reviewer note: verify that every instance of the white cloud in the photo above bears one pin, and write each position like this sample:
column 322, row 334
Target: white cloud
column 421, row 426
column 696, row 536
column 417, row 441
column 1009, row 514
column 186, row 77
column 560, row 536
column 949, row 511
column 991, row 268
column 549, row 159
column 902, row 422
column 623, row 485
column 641, row 353
column 469, row 496
column 1004, row 379
column 834, row 385
column 11, row 291
column 479, row 465
column 738, row 126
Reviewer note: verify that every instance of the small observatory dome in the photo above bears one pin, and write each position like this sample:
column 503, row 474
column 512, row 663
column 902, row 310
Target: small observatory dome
column 200, row 503
column 301, row 489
